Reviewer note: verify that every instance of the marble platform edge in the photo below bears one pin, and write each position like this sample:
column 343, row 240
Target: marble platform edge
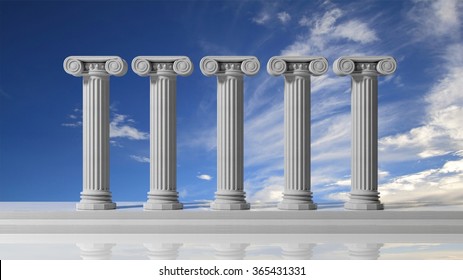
column 241, row 215
column 256, row 239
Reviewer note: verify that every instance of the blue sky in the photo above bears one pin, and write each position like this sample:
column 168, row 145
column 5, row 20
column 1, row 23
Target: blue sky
column 420, row 106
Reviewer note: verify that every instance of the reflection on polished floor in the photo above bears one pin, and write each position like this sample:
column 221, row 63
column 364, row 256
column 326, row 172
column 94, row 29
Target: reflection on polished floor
column 57, row 231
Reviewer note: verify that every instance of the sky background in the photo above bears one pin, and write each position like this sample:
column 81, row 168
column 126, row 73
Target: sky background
column 420, row 106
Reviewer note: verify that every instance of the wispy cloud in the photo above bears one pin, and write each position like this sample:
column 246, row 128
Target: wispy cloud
column 141, row 159
column 284, row 17
column 443, row 186
column 438, row 18
column 262, row 18
column 442, row 131
column 205, row 177
column 74, row 119
column 325, row 31
column 121, row 127
column 356, row 31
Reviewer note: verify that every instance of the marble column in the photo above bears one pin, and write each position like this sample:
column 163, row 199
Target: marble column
column 364, row 194
column 297, row 71
column 230, row 70
column 95, row 71
column 163, row 71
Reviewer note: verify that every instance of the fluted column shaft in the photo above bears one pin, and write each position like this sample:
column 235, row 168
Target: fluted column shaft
column 297, row 71
column 95, row 70
column 364, row 159
column 297, row 143
column 229, row 139
column 96, row 142
column 163, row 144
column 163, row 71
column 364, row 193
column 230, row 70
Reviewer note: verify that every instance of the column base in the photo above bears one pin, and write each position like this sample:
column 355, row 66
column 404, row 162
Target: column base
column 230, row 206
column 297, row 206
column 162, row 206
column 297, row 200
column 162, row 200
column 234, row 200
column 95, row 206
column 363, row 206
column 364, row 200
column 95, row 200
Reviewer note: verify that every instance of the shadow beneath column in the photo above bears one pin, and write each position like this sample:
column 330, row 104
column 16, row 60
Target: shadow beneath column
column 129, row 206
column 264, row 205
column 196, row 205
column 329, row 205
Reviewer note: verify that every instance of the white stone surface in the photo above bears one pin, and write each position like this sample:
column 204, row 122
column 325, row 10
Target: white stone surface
column 364, row 194
column 44, row 230
column 16, row 218
column 230, row 70
column 297, row 71
column 95, row 70
column 163, row 71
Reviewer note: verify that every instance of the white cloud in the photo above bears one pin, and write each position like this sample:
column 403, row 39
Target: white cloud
column 75, row 119
column 305, row 21
column 262, row 18
column 140, row 158
column 442, row 129
column 271, row 193
column 284, row 17
column 436, row 18
column 326, row 23
column 269, row 189
column 356, row 31
column 73, row 124
column 120, row 128
column 441, row 186
column 204, row 177
column 324, row 33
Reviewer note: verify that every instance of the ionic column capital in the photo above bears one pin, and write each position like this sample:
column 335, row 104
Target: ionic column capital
column 364, row 65
column 216, row 65
column 156, row 65
column 297, row 65
column 79, row 66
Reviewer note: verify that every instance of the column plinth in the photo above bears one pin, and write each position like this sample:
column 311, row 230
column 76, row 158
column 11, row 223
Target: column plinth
column 297, row 71
column 364, row 193
column 95, row 70
column 230, row 70
column 163, row 71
